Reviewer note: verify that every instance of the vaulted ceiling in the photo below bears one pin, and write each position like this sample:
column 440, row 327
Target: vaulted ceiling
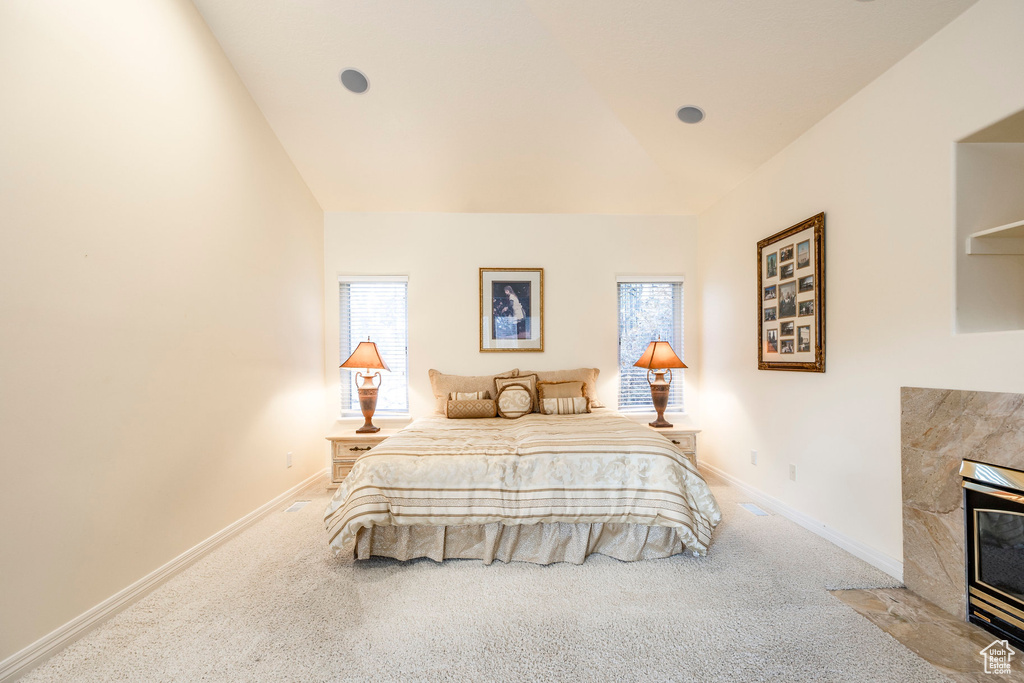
column 553, row 105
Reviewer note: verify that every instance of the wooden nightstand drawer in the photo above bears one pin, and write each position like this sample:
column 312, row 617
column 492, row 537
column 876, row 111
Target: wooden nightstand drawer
column 684, row 439
column 686, row 442
column 348, row 446
column 340, row 470
column 350, row 450
column 344, row 454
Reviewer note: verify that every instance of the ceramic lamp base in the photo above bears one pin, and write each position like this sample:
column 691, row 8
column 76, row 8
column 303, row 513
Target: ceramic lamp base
column 367, row 404
column 659, row 396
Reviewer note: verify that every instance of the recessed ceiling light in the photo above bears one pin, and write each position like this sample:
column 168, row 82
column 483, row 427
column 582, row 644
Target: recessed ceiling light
column 690, row 114
column 354, row 81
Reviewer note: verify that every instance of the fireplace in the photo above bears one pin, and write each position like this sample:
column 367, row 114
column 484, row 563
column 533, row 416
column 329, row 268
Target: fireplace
column 994, row 548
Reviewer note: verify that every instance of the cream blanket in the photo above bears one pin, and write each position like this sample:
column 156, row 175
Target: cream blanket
column 592, row 468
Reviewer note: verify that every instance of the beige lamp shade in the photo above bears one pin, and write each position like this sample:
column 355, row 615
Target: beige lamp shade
column 659, row 356
column 366, row 356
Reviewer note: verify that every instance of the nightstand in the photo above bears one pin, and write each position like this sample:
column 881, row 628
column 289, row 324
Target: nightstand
column 685, row 439
column 347, row 446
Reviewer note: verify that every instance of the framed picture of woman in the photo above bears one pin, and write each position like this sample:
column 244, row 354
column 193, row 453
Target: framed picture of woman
column 511, row 309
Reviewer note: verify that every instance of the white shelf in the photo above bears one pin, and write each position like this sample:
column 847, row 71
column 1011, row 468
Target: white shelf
column 1005, row 239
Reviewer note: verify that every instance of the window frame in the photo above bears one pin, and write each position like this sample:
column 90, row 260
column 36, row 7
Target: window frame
column 346, row 376
column 678, row 345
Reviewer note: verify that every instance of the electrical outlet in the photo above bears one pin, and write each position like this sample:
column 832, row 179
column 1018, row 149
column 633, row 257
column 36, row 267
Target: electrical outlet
column 289, row 460
column 753, row 457
column 792, row 472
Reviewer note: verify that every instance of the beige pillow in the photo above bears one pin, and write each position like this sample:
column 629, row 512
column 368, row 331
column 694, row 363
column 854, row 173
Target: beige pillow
column 560, row 390
column 442, row 385
column 468, row 395
column 467, row 408
column 514, row 400
column 564, row 406
column 528, row 381
column 586, row 375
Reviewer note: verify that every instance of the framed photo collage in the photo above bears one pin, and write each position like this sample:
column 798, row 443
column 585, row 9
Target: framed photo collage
column 791, row 298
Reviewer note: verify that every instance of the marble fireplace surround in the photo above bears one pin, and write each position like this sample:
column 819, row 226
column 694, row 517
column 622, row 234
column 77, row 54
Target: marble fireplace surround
column 939, row 428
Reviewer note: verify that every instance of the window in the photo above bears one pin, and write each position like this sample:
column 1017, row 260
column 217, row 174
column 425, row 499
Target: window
column 376, row 307
column 648, row 307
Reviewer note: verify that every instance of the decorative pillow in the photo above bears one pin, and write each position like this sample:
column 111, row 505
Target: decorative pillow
column 527, row 381
column 442, row 385
column 586, row 375
column 464, row 408
column 564, row 406
column 514, row 401
column 561, row 390
column 468, row 395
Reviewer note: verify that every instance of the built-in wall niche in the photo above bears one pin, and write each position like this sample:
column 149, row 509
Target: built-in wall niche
column 990, row 228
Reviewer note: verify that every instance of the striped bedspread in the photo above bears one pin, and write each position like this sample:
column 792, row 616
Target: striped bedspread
column 596, row 467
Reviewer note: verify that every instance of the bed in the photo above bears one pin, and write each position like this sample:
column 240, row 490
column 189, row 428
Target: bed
column 540, row 488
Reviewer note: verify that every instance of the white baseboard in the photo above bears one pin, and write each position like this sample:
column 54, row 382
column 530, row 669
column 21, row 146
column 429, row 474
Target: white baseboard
column 21, row 662
column 889, row 565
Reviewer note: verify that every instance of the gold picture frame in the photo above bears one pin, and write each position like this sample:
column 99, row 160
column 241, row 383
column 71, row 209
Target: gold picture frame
column 511, row 309
column 800, row 297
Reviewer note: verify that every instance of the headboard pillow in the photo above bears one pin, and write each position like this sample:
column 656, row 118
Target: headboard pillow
column 471, row 408
column 514, row 400
column 527, row 381
column 443, row 385
column 564, row 406
column 585, row 375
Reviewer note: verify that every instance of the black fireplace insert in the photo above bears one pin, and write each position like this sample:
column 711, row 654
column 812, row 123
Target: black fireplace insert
column 994, row 548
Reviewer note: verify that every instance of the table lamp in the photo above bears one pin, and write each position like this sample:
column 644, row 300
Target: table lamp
column 659, row 358
column 367, row 356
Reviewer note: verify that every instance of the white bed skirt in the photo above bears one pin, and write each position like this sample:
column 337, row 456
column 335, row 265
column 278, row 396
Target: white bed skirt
column 536, row 543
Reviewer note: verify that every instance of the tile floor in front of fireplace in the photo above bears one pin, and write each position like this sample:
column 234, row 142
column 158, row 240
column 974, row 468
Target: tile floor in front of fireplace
column 951, row 645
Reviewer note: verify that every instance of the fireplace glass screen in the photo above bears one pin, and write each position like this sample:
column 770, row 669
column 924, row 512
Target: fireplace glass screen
column 1001, row 551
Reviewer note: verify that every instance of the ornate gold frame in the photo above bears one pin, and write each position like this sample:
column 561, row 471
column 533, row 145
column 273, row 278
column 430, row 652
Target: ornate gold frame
column 480, row 318
column 818, row 259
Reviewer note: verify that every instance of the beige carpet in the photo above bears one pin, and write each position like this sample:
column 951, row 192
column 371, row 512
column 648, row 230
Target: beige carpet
column 275, row 605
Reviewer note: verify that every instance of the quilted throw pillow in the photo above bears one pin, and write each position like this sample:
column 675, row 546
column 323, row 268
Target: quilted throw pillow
column 514, row 401
column 470, row 408
column 564, row 406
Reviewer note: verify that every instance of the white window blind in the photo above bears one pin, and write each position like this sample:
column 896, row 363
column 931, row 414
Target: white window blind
column 376, row 308
column 647, row 309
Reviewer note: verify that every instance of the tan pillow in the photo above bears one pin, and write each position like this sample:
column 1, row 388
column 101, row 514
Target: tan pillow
column 514, row 401
column 468, row 395
column 560, row 390
column 564, row 406
column 466, row 408
column 442, row 385
column 586, row 375
column 528, row 381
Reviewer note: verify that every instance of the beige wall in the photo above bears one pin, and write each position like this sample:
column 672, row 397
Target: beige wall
column 160, row 297
column 441, row 254
column 881, row 167
column 989, row 193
